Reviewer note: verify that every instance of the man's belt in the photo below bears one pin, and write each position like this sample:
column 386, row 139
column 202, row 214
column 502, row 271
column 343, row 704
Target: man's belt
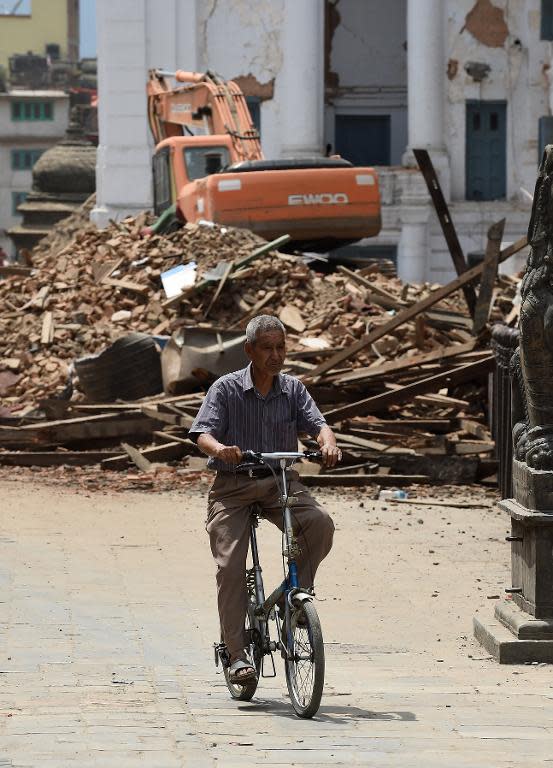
column 253, row 472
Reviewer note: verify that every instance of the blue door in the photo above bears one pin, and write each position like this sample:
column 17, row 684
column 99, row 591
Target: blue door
column 363, row 139
column 486, row 151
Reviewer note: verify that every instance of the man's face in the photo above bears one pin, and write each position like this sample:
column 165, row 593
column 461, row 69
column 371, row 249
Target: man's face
column 267, row 353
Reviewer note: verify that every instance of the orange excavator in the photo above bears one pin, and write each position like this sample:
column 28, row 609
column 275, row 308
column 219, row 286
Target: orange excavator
column 208, row 165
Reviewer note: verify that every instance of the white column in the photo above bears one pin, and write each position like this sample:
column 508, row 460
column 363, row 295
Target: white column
column 426, row 94
column 300, row 84
column 425, row 74
column 133, row 35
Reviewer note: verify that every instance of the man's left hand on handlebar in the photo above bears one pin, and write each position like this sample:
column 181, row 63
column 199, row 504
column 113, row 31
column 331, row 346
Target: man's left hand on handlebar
column 330, row 455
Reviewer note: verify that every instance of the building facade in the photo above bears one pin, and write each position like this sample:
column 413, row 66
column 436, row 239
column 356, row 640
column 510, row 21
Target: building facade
column 45, row 27
column 469, row 80
column 30, row 123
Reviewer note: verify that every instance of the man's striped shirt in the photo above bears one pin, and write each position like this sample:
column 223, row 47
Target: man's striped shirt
column 235, row 413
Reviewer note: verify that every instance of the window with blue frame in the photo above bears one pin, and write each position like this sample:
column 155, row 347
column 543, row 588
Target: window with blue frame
column 24, row 159
column 17, row 199
column 546, row 27
column 32, row 110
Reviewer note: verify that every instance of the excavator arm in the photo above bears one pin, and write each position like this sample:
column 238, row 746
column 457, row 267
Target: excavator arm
column 204, row 104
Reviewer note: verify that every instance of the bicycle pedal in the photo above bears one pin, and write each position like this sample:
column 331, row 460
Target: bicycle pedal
column 221, row 655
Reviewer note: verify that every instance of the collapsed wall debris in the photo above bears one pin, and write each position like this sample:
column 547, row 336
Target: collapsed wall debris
column 397, row 368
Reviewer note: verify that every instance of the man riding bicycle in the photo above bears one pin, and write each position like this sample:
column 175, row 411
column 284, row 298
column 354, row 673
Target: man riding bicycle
column 260, row 409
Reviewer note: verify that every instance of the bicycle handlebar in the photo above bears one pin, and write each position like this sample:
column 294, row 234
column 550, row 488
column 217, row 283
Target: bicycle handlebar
column 255, row 457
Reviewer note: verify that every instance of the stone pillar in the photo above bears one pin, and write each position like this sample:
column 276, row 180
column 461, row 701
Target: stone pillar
column 133, row 36
column 426, row 93
column 425, row 74
column 426, row 85
column 301, row 80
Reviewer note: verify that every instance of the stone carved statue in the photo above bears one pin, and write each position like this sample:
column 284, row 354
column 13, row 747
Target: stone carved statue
column 533, row 362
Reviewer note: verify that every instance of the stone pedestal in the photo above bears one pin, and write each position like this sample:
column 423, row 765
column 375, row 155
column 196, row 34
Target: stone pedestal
column 522, row 629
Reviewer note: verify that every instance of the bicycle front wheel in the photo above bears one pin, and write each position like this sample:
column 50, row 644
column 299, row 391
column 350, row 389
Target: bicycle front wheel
column 305, row 671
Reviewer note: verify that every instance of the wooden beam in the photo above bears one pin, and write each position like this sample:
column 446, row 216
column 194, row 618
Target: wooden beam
column 361, row 480
column 444, row 217
column 128, row 285
column 430, row 384
column 222, row 281
column 407, row 314
column 54, row 458
column 167, row 452
column 406, row 362
column 169, row 438
column 47, row 332
column 489, row 274
column 383, row 298
column 140, row 461
column 15, row 269
column 445, row 400
column 405, row 426
column 101, row 426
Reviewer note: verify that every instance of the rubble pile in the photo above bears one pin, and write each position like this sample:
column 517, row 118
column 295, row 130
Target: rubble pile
column 86, row 287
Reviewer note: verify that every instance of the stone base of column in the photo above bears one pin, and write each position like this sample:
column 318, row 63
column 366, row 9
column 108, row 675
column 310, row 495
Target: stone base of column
column 513, row 636
column 522, row 628
column 103, row 214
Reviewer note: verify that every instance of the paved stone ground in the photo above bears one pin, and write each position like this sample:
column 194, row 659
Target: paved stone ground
column 108, row 616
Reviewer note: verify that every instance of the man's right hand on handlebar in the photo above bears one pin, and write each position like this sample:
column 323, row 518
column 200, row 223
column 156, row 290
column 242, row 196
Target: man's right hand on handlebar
column 230, row 454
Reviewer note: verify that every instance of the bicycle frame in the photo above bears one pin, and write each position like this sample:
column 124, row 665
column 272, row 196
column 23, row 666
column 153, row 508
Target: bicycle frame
column 290, row 587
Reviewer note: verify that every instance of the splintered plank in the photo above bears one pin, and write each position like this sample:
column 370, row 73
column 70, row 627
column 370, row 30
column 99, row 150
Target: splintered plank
column 444, row 217
column 407, row 314
column 423, row 386
column 128, row 285
column 489, row 273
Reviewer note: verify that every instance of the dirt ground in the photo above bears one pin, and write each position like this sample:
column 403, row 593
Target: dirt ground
column 108, row 620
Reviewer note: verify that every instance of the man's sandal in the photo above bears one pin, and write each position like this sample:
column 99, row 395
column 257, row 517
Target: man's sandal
column 241, row 671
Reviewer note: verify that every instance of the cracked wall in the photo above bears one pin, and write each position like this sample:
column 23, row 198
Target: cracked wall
column 504, row 36
column 241, row 40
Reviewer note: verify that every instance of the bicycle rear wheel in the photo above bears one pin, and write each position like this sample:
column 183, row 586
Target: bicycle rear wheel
column 246, row 691
column 305, row 671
